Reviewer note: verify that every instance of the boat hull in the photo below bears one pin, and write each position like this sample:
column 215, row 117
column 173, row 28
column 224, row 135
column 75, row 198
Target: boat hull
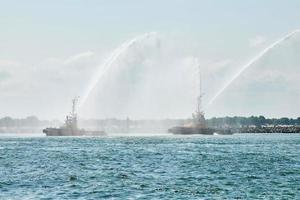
column 191, row 131
column 70, row 132
column 198, row 131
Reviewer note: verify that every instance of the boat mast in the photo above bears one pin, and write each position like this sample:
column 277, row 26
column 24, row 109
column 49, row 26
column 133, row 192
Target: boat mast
column 198, row 117
column 199, row 99
column 72, row 120
column 74, row 102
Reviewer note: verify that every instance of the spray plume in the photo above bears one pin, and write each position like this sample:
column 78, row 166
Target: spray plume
column 109, row 61
column 251, row 62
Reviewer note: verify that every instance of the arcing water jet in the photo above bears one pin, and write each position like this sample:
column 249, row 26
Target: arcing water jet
column 110, row 60
column 251, row 62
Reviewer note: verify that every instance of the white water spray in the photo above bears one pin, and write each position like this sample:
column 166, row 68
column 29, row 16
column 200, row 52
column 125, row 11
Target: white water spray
column 109, row 61
column 251, row 62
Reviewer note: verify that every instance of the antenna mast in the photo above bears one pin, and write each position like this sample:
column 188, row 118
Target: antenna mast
column 74, row 102
column 199, row 99
column 198, row 117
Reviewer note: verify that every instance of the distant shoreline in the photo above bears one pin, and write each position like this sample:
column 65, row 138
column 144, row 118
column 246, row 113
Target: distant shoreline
column 253, row 124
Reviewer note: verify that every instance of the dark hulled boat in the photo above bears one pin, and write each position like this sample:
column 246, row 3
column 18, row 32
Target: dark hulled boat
column 70, row 127
column 181, row 130
column 198, row 125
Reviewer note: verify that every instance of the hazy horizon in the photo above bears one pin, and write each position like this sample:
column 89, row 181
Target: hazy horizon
column 52, row 50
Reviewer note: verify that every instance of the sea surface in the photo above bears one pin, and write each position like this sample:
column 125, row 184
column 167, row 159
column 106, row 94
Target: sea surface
column 151, row 167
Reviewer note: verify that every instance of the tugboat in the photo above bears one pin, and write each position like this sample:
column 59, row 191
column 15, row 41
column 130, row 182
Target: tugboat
column 70, row 126
column 198, row 125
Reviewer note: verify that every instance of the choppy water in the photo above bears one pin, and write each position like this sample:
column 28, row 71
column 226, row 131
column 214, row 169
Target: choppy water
column 165, row 167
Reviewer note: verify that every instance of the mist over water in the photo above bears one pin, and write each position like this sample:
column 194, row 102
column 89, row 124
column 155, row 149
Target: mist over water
column 155, row 76
column 143, row 81
column 148, row 77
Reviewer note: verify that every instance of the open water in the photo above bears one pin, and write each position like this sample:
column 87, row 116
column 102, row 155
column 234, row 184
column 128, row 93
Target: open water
column 152, row 167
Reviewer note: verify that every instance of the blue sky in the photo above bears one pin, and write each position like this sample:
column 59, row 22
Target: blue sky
column 63, row 27
column 41, row 38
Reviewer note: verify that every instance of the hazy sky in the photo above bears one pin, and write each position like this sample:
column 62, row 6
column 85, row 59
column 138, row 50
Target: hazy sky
column 51, row 49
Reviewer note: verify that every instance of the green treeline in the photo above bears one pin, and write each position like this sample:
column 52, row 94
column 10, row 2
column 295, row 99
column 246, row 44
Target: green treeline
column 251, row 121
column 30, row 121
column 33, row 121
